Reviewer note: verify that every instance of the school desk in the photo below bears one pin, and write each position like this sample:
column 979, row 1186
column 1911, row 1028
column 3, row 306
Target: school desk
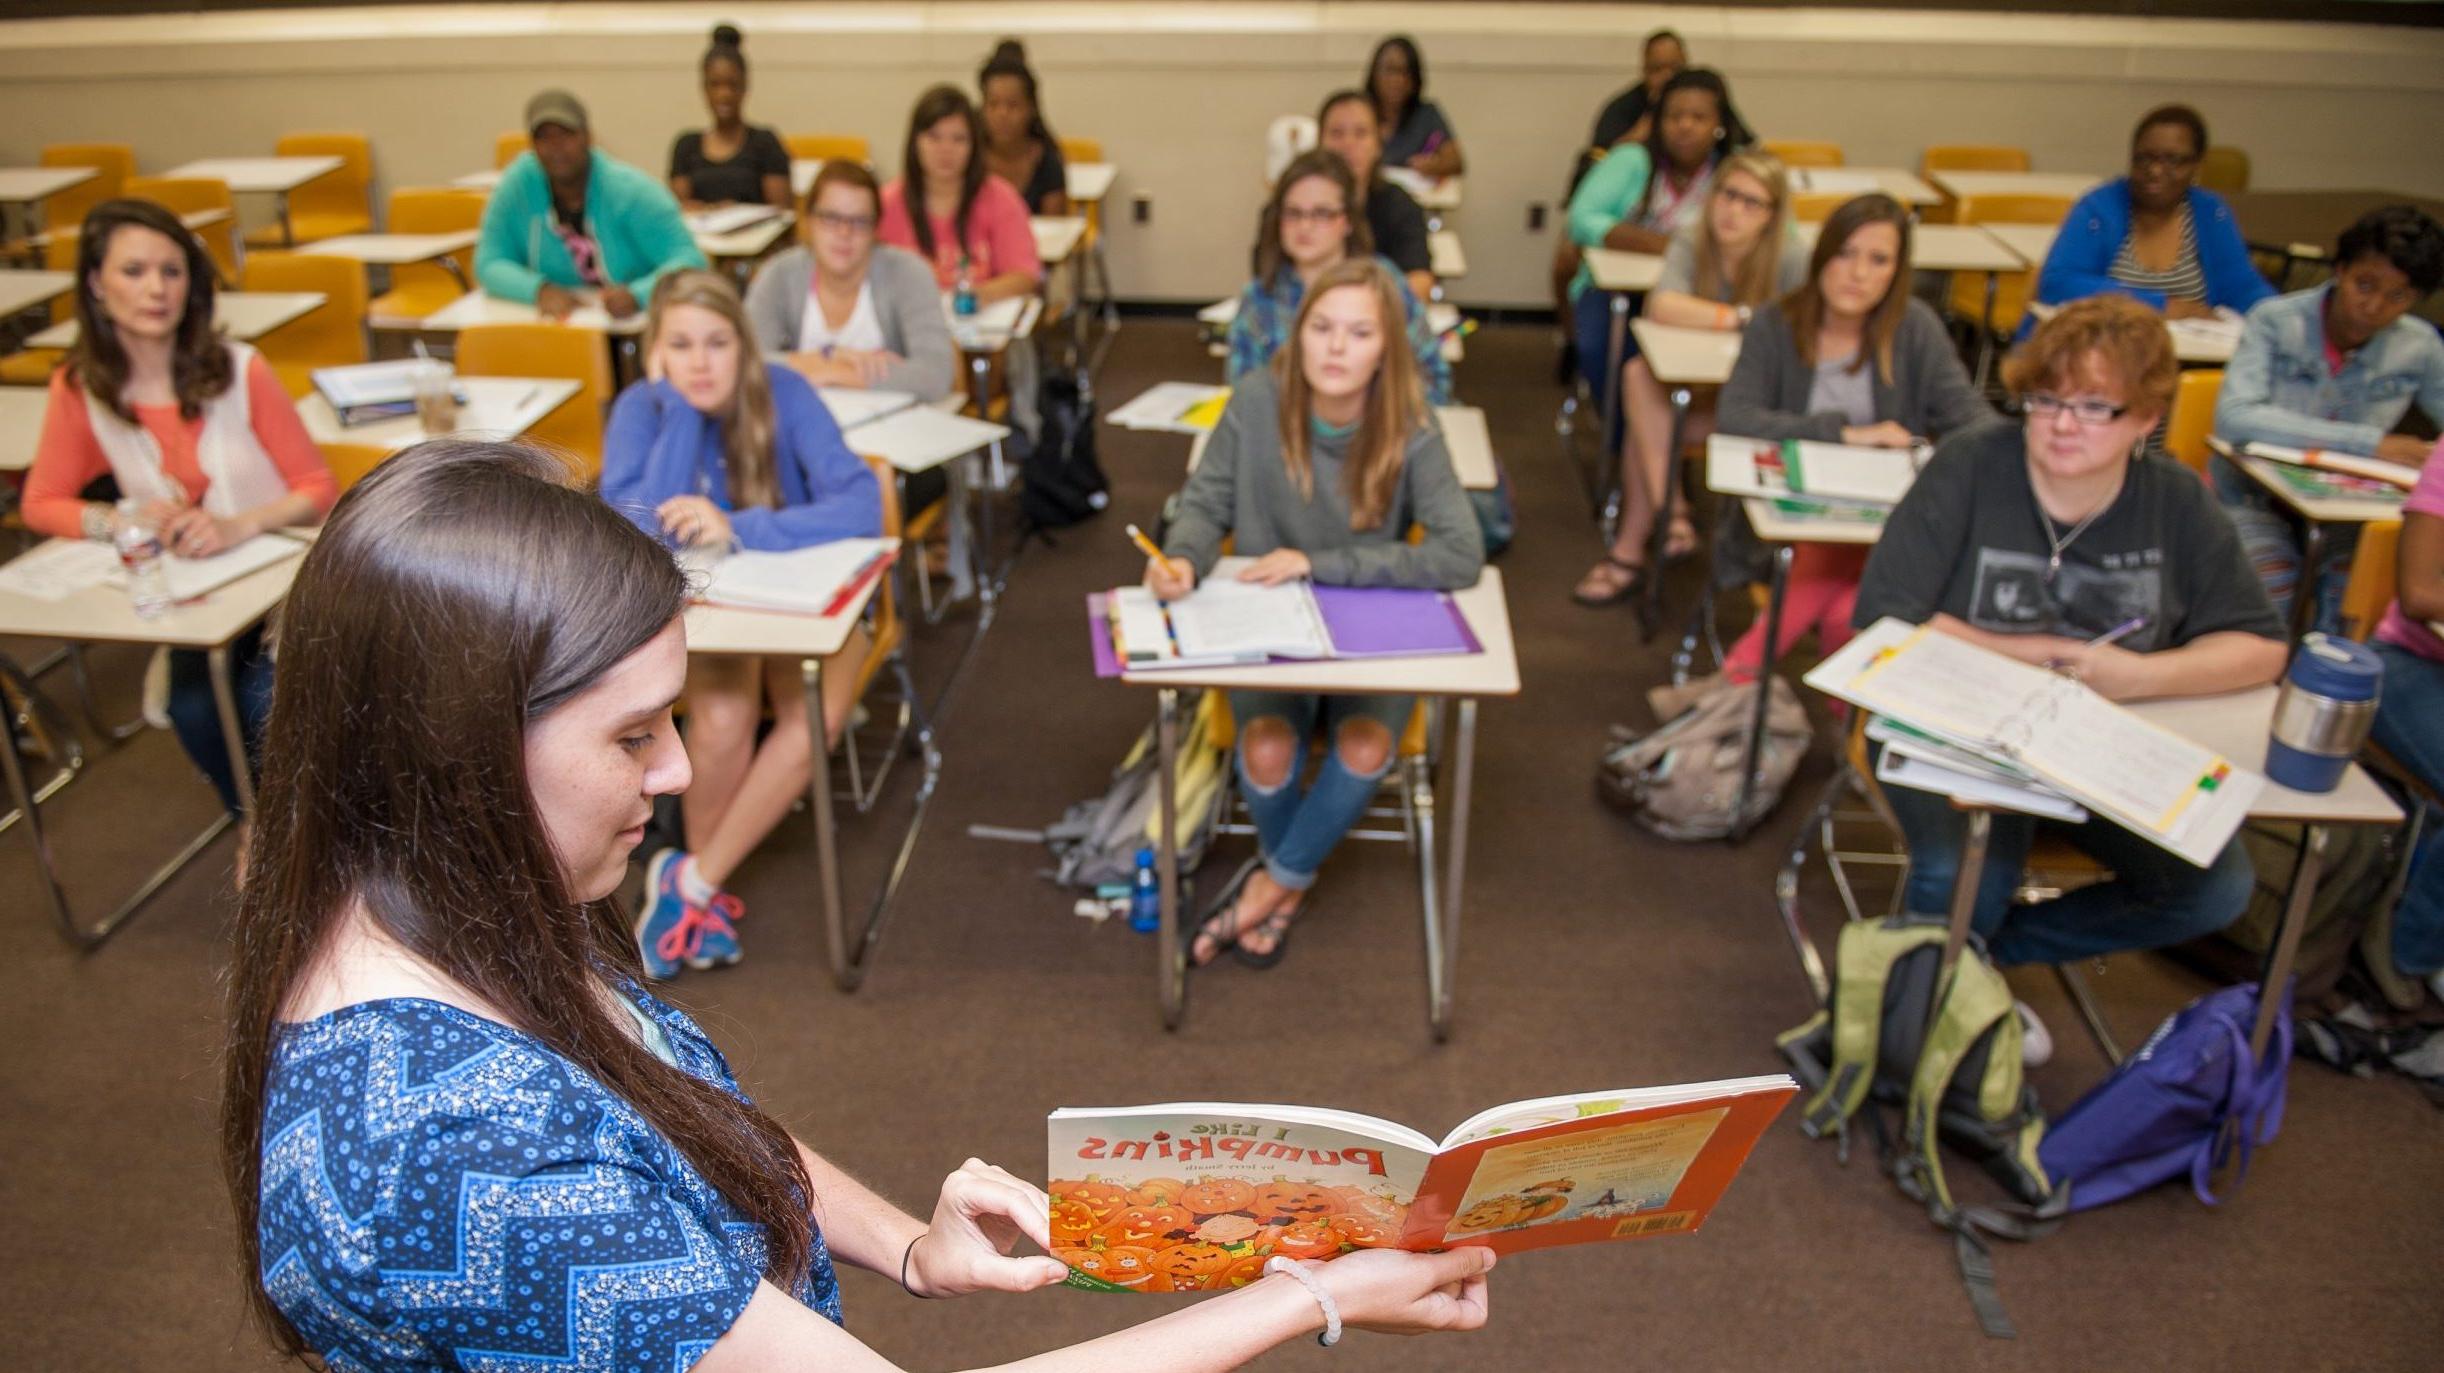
column 272, row 176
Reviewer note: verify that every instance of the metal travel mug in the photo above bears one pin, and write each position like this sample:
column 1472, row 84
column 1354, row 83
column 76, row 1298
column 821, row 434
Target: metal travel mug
column 2323, row 714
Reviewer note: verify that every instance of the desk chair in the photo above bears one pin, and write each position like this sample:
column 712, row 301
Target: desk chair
column 116, row 163
column 2375, row 571
column 336, row 203
column 2193, row 418
column 2053, row 867
column 1803, row 153
column 418, row 289
column 1966, row 299
column 1967, row 157
column 188, row 194
column 506, row 147
column 2224, row 169
column 871, row 751
column 824, row 147
column 351, row 463
column 1814, row 207
column 33, row 366
column 575, row 429
column 330, row 335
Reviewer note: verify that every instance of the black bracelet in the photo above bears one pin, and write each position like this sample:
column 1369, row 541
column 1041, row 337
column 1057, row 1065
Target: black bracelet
column 905, row 1255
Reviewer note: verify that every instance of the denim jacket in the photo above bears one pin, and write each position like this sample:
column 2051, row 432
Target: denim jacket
column 2277, row 388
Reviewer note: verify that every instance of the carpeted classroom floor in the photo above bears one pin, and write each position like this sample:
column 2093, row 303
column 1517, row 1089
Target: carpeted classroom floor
column 1594, row 956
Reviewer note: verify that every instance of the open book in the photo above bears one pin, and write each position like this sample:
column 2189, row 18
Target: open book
column 1818, row 471
column 1195, row 1196
column 1176, row 407
column 817, row 580
column 1227, row 622
column 2175, row 793
column 2394, row 474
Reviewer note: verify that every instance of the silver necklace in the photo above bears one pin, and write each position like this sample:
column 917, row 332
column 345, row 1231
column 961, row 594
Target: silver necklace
column 2053, row 560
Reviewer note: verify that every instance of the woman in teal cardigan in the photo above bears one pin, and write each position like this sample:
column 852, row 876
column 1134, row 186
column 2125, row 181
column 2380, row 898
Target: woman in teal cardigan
column 569, row 217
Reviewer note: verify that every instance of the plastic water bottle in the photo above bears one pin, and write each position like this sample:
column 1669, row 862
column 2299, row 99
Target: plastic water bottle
column 963, row 292
column 139, row 545
column 1146, row 895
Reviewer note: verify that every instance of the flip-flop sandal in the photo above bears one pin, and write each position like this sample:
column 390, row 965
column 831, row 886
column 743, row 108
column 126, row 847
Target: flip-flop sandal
column 1276, row 925
column 1627, row 587
column 1675, row 551
column 1213, row 922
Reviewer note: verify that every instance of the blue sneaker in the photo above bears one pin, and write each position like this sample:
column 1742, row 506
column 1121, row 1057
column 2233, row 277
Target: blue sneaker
column 666, row 933
column 716, row 933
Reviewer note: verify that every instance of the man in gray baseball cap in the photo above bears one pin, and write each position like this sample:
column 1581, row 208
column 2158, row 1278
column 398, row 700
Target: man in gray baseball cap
column 574, row 218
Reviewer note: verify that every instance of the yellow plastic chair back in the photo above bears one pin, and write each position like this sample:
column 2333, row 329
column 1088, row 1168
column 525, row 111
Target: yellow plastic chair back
column 2224, row 169
column 2375, row 570
column 1082, row 150
column 1972, row 157
column 418, row 289
column 34, row 366
column 2012, row 289
column 1812, row 207
column 1804, row 153
column 330, row 335
column 351, row 463
column 338, row 202
column 506, row 147
column 2193, row 416
column 823, row 147
column 187, row 194
column 115, row 162
column 575, row 429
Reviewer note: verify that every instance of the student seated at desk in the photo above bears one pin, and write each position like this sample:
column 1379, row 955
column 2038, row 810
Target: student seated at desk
column 1308, row 228
column 1018, row 147
column 1350, row 129
column 194, row 428
column 733, row 162
column 2155, row 235
column 720, row 450
column 1626, row 204
column 568, row 217
column 2333, row 367
column 457, row 1130
column 1739, row 255
column 1319, row 467
column 1416, row 135
column 1850, row 357
column 2037, row 539
column 846, row 309
column 2408, row 942
column 950, row 211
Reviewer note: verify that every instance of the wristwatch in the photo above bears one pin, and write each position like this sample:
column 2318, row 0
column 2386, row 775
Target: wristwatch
column 98, row 522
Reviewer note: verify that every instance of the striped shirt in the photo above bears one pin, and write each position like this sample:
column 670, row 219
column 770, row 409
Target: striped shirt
column 2184, row 280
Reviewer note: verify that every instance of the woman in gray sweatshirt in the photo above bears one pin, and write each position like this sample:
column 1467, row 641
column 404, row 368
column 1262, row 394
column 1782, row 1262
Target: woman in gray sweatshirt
column 1321, row 466
column 845, row 310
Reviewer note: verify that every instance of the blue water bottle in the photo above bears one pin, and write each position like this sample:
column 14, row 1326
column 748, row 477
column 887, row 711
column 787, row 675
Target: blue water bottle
column 1146, row 895
column 963, row 293
column 2323, row 712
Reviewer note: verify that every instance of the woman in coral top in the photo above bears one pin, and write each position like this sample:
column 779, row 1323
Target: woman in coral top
column 191, row 426
column 945, row 206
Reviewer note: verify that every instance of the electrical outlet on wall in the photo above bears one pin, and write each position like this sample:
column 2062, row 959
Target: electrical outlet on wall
column 1141, row 208
column 1536, row 216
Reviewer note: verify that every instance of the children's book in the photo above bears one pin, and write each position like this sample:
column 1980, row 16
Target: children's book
column 1195, row 1196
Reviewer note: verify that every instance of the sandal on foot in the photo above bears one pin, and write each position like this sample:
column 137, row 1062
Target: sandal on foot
column 1613, row 580
column 1680, row 542
column 1278, row 926
column 1215, row 922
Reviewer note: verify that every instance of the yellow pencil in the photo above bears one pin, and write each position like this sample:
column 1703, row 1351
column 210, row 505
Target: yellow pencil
column 1138, row 537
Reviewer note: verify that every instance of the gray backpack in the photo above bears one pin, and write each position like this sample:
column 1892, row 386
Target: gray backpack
column 1095, row 842
column 1682, row 780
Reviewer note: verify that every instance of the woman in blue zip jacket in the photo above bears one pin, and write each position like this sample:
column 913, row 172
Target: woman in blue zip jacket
column 2155, row 235
column 723, row 449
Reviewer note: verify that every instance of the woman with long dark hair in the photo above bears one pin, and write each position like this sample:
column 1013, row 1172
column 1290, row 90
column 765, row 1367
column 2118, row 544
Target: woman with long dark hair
column 949, row 210
column 455, row 1127
column 1415, row 133
column 195, row 428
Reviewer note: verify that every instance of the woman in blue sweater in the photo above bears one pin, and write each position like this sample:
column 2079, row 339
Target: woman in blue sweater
column 722, row 449
column 2155, row 235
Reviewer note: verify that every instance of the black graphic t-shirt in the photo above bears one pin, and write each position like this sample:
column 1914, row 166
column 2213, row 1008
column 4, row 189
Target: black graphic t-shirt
column 1969, row 541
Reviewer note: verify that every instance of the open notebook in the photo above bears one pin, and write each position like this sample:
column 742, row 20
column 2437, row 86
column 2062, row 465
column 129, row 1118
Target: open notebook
column 1228, row 622
column 818, row 580
column 2395, row 474
column 1805, row 468
column 2175, row 793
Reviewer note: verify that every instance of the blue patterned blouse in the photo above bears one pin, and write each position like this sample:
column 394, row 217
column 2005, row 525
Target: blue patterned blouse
column 1268, row 309
column 441, row 1191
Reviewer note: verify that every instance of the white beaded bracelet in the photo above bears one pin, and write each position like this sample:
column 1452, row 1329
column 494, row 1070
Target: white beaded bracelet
column 1315, row 1288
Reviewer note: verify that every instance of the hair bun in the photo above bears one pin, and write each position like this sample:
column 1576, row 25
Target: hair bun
column 1008, row 52
column 728, row 36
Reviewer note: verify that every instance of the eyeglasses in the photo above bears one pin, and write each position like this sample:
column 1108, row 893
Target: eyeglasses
column 1290, row 216
column 2039, row 405
column 855, row 224
column 2171, row 162
column 1746, row 201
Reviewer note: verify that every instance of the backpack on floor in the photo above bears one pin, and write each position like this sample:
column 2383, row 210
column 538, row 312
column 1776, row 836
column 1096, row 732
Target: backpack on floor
column 1682, row 781
column 1095, row 842
column 1059, row 480
column 2360, row 874
column 2188, row 1102
column 1861, row 1052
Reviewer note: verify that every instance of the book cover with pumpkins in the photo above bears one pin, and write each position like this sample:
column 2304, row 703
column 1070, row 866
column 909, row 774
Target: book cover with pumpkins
column 1195, row 1196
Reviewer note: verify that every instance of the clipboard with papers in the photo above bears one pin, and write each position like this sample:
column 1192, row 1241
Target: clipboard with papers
column 2025, row 722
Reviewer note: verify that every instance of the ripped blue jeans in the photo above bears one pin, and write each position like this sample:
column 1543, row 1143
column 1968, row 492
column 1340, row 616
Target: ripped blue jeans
column 1297, row 830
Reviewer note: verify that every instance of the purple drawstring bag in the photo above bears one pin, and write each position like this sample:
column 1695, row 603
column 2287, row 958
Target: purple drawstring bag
column 2163, row 1113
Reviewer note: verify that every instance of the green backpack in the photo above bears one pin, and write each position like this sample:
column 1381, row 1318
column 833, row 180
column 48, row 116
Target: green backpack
column 1965, row 1089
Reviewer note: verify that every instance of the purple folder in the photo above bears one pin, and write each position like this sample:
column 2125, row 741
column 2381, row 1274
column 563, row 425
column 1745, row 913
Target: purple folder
column 1393, row 622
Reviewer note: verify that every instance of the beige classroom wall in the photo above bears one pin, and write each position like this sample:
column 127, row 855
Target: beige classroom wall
column 1181, row 94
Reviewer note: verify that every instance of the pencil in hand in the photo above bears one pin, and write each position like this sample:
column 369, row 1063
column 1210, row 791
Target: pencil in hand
column 1175, row 571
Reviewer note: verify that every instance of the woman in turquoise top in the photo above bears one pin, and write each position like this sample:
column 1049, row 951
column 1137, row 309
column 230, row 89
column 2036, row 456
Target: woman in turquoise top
column 456, row 1131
